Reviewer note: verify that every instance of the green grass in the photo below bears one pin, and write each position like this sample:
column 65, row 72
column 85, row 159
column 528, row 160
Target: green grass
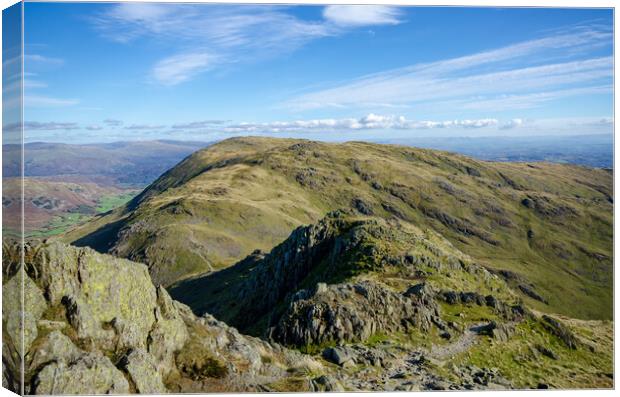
column 59, row 225
column 519, row 361
column 65, row 221
column 313, row 349
column 107, row 203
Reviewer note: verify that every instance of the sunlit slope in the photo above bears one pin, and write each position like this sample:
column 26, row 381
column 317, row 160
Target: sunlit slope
column 546, row 227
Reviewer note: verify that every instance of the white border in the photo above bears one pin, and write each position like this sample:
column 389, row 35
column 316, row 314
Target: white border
column 476, row 3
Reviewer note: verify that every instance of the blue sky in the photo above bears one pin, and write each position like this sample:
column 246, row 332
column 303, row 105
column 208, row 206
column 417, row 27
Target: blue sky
column 106, row 72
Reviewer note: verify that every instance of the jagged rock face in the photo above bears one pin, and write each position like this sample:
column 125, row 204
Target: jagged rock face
column 323, row 283
column 106, row 306
column 351, row 312
column 290, row 263
column 99, row 325
column 98, row 290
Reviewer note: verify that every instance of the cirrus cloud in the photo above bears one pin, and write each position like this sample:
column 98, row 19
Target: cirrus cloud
column 362, row 15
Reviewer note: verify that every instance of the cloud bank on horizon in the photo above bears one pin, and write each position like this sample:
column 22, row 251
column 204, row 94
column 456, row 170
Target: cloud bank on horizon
column 132, row 71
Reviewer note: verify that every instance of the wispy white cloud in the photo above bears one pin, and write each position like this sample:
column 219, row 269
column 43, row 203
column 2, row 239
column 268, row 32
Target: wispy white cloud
column 145, row 127
column 41, row 126
column 523, row 101
column 113, row 122
column 529, row 67
column 47, row 101
column 217, row 35
column 42, row 59
column 369, row 122
column 212, row 35
column 198, row 124
column 179, row 68
column 362, row 15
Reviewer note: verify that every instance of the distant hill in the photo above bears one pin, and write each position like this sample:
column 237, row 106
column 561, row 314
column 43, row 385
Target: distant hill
column 545, row 228
column 132, row 163
column 589, row 150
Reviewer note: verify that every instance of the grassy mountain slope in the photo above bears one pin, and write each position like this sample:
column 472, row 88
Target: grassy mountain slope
column 545, row 228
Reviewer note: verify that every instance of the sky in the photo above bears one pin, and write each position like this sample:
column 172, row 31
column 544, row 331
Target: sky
column 137, row 71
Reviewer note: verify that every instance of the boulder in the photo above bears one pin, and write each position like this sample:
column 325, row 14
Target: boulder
column 327, row 383
column 143, row 372
column 34, row 306
column 546, row 351
column 92, row 373
column 339, row 355
column 56, row 347
column 98, row 289
column 502, row 332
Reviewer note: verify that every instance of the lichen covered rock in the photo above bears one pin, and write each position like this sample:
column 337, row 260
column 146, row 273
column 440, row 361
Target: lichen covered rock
column 350, row 312
column 18, row 323
column 143, row 372
column 92, row 373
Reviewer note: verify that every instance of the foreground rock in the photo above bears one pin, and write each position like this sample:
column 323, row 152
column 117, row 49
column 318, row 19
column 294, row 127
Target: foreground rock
column 97, row 325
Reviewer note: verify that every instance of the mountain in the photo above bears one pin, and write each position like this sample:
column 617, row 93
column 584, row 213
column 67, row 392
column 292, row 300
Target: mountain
column 51, row 205
column 544, row 228
column 133, row 163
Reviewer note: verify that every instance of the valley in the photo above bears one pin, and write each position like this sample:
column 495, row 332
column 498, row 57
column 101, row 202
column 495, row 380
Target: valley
column 53, row 206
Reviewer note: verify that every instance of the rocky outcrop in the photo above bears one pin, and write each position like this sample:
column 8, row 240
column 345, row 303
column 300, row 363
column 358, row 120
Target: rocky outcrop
column 351, row 312
column 96, row 324
column 560, row 330
column 510, row 312
column 502, row 332
column 101, row 294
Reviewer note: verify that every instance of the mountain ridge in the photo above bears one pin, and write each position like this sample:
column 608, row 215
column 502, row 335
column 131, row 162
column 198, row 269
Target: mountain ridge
column 547, row 224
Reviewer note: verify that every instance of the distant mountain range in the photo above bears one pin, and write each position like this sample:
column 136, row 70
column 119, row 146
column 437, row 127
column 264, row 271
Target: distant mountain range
column 140, row 163
column 125, row 163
